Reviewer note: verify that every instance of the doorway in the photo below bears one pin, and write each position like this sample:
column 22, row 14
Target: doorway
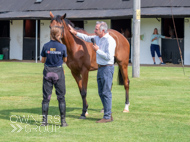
column 124, row 27
column 78, row 24
column 29, row 40
column 170, row 49
column 5, row 38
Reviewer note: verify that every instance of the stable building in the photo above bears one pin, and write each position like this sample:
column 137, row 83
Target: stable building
column 24, row 28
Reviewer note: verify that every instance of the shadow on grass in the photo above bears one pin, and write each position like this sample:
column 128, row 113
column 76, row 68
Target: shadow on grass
column 33, row 116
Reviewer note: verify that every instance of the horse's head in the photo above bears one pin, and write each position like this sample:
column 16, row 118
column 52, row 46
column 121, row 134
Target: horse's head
column 57, row 21
column 60, row 22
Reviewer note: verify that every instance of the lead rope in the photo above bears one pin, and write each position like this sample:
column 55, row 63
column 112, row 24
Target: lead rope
column 177, row 38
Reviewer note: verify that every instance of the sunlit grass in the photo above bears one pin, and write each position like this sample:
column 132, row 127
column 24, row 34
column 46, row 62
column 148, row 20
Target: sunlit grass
column 159, row 107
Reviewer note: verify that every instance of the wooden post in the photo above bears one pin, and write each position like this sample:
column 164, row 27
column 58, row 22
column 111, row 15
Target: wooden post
column 136, row 38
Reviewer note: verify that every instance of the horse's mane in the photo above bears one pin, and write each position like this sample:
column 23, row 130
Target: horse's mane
column 57, row 18
column 68, row 22
column 81, row 30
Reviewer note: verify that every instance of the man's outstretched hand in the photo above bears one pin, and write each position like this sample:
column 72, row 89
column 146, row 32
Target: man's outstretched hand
column 72, row 30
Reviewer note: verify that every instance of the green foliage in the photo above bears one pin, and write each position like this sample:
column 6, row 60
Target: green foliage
column 159, row 107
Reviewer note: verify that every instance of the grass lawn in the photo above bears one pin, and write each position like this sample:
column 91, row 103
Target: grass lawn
column 159, row 107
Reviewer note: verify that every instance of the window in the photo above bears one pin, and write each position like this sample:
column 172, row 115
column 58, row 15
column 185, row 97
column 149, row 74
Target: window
column 168, row 27
column 30, row 28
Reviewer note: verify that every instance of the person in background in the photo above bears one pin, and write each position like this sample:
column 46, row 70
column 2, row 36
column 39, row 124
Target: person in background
column 154, row 47
column 53, row 55
column 105, row 49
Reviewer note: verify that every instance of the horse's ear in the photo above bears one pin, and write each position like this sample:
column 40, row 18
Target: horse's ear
column 63, row 17
column 51, row 15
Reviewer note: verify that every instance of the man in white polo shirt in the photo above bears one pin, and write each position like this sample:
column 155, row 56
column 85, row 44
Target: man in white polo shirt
column 105, row 49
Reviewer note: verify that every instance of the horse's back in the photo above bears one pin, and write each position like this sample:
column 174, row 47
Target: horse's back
column 122, row 50
column 122, row 46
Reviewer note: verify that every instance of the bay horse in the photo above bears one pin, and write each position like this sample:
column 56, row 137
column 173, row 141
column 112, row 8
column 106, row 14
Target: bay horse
column 82, row 58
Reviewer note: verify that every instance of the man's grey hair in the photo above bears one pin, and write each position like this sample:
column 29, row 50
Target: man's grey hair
column 103, row 26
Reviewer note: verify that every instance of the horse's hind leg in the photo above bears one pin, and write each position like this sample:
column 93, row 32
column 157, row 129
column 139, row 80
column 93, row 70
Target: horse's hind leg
column 124, row 72
column 83, row 90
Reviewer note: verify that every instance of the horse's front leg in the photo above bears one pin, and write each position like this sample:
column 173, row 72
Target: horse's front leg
column 82, row 81
column 84, row 93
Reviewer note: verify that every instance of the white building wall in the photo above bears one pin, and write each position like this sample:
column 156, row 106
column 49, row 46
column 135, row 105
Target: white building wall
column 44, row 33
column 89, row 25
column 147, row 28
column 187, row 42
column 16, row 42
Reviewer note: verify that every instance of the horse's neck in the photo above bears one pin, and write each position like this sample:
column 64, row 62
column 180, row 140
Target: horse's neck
column 72, row 41
column 69, row 41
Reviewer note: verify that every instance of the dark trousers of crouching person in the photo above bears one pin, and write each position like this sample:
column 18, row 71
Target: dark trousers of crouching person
column 53, row 76
column 104, row 80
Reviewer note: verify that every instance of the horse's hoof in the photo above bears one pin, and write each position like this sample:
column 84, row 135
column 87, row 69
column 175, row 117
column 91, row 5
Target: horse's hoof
column 64, row 124
column 82, row 117
column 125, row 111
column 86, row 114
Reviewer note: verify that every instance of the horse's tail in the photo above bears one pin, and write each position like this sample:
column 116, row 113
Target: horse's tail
column 119, row 77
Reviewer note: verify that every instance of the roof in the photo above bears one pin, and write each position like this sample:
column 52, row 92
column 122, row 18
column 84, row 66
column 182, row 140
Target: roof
column 90, row 9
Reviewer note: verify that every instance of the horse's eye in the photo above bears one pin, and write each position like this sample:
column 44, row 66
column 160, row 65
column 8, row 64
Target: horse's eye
column 50, row 27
